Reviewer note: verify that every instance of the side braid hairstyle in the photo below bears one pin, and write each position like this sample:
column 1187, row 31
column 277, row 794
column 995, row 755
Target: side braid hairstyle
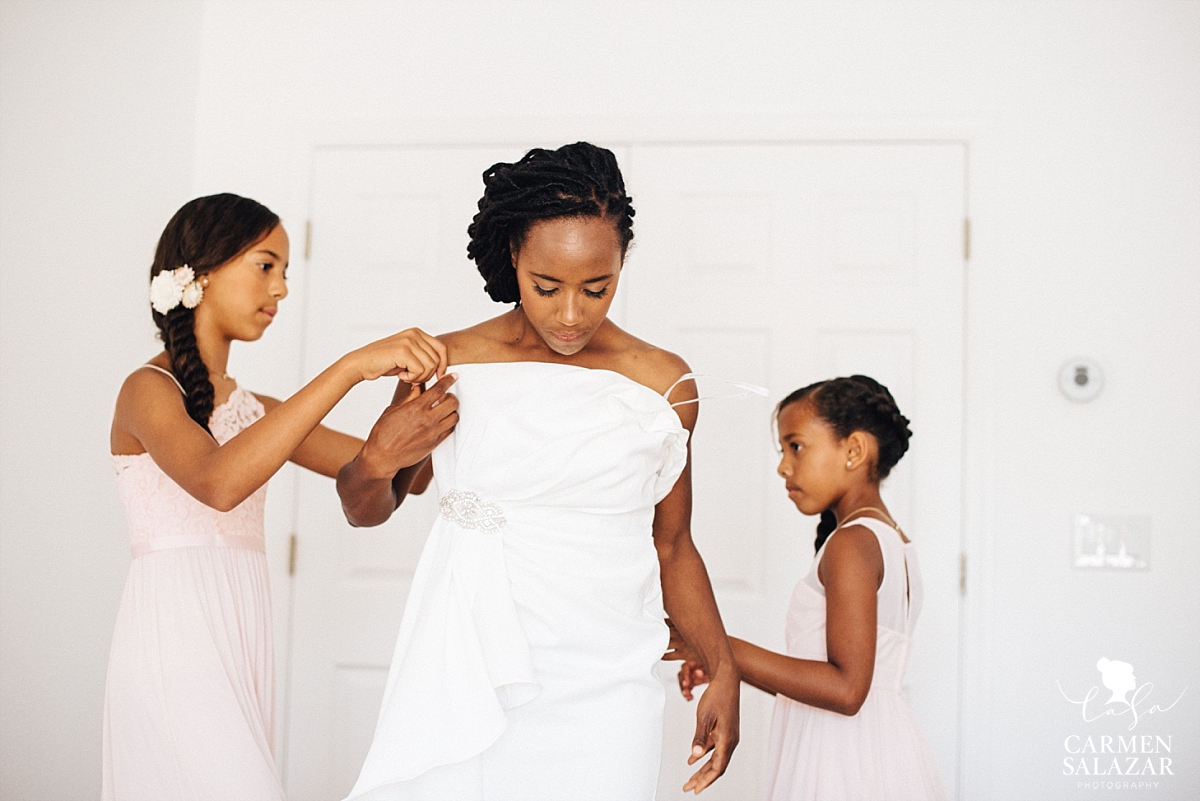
column 579, row 180
column 204, row 234
column 856, row 403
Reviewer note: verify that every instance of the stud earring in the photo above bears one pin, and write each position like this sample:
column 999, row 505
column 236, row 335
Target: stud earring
column 849, row 462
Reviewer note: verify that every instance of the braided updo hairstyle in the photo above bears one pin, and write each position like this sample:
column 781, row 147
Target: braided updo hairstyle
column 206, row 233
column 857, row 403
column 579, row 180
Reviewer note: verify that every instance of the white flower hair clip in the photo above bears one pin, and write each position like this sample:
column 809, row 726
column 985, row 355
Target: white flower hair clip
column 172, row 287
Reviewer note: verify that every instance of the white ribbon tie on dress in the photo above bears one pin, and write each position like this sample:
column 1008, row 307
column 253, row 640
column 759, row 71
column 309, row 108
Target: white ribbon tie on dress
column 747, row 390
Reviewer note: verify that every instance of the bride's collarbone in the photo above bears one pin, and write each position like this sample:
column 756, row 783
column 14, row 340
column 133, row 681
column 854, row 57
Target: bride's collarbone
column 618, row 352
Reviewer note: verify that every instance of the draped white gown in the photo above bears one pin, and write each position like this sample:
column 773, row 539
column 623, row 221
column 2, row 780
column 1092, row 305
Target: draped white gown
column 523, row 667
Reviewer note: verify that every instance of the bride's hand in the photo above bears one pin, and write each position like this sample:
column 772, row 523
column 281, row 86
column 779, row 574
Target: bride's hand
column 408, row 431
column 412, row 355
column 716, row 730
column 716, row 714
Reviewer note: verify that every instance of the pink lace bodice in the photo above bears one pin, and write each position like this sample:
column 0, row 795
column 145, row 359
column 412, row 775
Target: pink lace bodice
column 157, row 508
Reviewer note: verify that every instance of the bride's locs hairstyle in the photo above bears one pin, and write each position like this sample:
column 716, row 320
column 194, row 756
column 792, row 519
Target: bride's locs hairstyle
column 204, row 234
column 857, row 403
column 579, row 180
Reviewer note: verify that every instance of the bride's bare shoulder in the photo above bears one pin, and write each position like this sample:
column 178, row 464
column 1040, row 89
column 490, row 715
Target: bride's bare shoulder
column 479, row 343
column 652, row 366
column 661, row 371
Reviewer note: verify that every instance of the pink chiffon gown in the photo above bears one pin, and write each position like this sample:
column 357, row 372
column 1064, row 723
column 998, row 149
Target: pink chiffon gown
column 878, row 754
column 189, row 701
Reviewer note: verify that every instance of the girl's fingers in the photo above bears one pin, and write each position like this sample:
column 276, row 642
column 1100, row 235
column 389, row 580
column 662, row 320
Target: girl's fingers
column 691, row 675
column 438, row 355
column 430, row 357
column 427, row 359
column 685, row 683
column 408, row 354
column 443, row 355
column 418, row 366
column 415, row 356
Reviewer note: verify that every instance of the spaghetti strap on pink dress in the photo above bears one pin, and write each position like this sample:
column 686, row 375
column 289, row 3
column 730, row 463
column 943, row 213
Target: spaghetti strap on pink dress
column 189, row 701
column 878, row 754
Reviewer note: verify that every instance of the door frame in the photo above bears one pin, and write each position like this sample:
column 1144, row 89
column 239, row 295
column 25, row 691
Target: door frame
column 976, row 526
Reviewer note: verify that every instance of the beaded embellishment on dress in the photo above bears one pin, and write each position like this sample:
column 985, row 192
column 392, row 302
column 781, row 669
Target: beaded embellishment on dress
column 470, row 511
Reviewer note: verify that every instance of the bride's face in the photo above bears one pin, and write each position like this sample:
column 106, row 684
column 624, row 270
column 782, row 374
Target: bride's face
column 567, row 271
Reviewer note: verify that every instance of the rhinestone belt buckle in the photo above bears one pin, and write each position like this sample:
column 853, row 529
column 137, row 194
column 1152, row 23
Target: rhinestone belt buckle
column 470, row 511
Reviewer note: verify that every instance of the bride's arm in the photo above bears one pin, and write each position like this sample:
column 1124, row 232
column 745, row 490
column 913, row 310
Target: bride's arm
column 689, row 601
column 394, row 459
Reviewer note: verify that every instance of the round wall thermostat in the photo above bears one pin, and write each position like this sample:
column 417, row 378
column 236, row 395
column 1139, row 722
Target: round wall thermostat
column 1081, row 380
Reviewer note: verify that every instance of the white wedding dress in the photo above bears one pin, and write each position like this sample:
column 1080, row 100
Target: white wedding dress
column 523, row 667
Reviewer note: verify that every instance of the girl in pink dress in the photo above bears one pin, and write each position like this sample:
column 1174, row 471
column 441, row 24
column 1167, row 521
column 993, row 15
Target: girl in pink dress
column 189, row 700
column 842, row 730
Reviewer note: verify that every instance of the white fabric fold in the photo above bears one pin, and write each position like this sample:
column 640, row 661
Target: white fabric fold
column 461, row 659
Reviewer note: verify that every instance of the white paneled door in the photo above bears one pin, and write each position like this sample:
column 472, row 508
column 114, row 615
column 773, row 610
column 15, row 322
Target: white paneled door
column 778, row 264
column 388, row 251
column 783, row 265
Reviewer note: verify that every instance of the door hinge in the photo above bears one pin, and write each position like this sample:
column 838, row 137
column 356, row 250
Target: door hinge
column 308, row 239
column 966, row 238
column 962, row 574
column 292, row 556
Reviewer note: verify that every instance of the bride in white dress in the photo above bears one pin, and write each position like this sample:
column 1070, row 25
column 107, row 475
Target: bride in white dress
column 524, row 664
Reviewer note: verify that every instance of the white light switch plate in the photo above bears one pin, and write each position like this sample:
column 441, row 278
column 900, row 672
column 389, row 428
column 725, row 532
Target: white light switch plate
column 1119, row 542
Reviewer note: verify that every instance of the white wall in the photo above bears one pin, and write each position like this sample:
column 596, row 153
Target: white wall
column 97, row 125
column 1082, row 121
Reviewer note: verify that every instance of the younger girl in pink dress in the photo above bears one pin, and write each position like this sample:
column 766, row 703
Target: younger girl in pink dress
column 841, row 731
column 189, row 700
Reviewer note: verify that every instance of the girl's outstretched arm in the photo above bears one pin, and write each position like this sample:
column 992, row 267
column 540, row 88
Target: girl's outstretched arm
column 419, row 431
column 151, row 411
column 325, row 450
column 851, row 570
